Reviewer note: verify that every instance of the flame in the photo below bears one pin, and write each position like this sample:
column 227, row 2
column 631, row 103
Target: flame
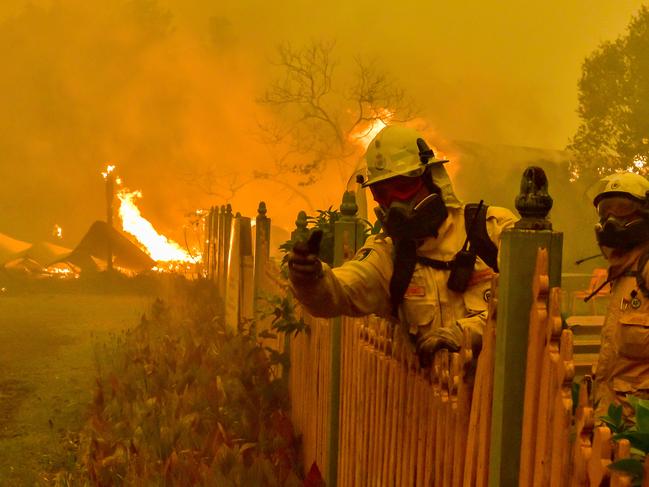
column 159, row 247
column 57, row 231
column 109, row 169
column 639, row 165
column 365, row 134
column 63, row 271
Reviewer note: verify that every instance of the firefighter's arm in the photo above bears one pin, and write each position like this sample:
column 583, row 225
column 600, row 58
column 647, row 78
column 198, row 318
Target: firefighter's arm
column 476, row 325
column 358, row 287
column 498, row 220
column 451, row 338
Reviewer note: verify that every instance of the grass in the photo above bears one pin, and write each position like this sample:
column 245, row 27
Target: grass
column 47, row 374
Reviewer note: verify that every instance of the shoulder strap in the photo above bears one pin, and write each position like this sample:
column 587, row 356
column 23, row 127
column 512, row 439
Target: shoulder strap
column 442, row 265
column 639, row 275
column 479, row 240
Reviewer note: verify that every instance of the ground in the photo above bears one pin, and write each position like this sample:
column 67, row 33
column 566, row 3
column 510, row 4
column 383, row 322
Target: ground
column 47, row 369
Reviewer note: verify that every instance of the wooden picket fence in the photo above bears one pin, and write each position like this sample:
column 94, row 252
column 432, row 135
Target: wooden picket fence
column 401, row 425
column 241, row 269
column 393, row 423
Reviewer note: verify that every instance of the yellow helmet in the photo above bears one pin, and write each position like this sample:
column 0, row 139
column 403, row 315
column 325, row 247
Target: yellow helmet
column 397, row 151
column 620, row 184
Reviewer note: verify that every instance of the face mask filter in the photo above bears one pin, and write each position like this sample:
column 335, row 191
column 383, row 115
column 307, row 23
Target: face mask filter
column 618, row 234
column 403, row 222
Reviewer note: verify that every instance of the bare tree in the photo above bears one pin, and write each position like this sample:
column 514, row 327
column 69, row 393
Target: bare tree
column 225, row 187
column 317, row 120
column 316, row 116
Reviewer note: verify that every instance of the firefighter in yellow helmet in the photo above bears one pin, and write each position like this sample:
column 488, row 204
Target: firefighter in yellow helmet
column 623, row 236
column 415, row 271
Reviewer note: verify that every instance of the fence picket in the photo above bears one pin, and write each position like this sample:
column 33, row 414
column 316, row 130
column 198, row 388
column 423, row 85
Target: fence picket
column 622, row 451
column 601, row 456
column 430, row 428
column 563, row 401
column 584, row 424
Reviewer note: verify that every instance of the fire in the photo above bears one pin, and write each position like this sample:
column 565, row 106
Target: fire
column 159, row 247
column 57, row 231
column 109, row 169
column 639, row 165
column 365, row 135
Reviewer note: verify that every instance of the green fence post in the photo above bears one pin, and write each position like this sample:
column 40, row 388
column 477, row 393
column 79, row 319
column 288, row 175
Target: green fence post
column 220, row 269
column 517, row 264
column 262, row 249
column 300, row 232
column 207, row 242
column 247, row 289
column 225, row 246
column 349, row 236
column 233, row 277
column 215, row 243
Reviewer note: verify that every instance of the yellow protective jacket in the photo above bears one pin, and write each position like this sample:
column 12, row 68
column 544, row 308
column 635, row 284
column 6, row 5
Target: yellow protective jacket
column 361, row 286
column 623, row 364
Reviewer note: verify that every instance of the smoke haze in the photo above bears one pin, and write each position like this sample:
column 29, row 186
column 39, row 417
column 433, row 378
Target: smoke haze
column 167, row 91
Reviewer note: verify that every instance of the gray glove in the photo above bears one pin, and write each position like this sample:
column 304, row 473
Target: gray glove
column 430, row 342
column 304, row 267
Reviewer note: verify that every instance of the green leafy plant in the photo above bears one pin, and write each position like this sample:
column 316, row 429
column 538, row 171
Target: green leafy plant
column 636, row 430
column 282, row 311
column 183, row 399
column 614, row 419
column 325, row 221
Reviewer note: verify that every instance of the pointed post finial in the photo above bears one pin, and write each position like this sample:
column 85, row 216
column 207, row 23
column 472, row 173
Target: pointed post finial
column 534, row 202
column 261, row 210
column 348, row 207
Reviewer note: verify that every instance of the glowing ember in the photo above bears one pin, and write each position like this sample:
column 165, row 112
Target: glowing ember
column 61, row 270
column 367, row 133
column 159, row 247
column 57, row 231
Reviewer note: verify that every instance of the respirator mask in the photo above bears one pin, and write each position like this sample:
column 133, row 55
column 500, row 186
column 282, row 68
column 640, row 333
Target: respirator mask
column 623, row 235
column 407, row 221
column 623, row 224
column 401, row 214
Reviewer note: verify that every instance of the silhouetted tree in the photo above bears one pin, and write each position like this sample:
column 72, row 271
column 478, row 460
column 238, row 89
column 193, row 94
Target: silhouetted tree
column 614, row 106
column 318, row 114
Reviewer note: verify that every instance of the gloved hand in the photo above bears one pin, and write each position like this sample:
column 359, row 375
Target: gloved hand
column 430, row 342
column 304, row 267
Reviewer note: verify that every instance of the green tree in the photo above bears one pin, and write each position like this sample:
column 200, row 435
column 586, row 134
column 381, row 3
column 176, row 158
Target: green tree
column 614, row 106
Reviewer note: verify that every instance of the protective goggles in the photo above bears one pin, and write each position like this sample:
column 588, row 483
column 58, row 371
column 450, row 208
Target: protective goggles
column 399, row 188
column 617, row 206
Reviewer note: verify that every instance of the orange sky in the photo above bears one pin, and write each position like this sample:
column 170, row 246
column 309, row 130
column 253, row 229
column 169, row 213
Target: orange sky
column 84, row 84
